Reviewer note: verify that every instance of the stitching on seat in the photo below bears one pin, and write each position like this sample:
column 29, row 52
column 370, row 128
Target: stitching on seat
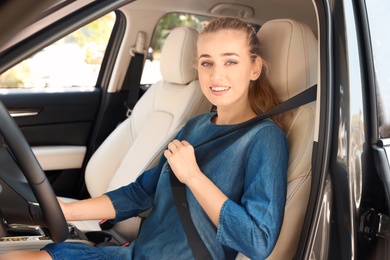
column 310, row 127
column 298, row 186
column 182, row 55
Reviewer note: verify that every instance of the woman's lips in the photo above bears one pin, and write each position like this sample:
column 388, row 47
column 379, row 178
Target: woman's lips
column 219, row 88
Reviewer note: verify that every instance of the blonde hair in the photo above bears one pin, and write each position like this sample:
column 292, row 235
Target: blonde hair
column 262, row 96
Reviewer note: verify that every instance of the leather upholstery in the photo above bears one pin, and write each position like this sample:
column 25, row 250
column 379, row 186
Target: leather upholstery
column 290, row 50
column 177, row 56
column 136, row 144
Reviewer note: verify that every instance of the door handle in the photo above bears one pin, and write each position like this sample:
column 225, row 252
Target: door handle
column 23, row 112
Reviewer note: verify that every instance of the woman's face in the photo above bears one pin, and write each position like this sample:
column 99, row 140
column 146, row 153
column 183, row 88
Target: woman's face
column 225, row 68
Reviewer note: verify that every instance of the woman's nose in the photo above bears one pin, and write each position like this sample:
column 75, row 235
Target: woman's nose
column 217, row 73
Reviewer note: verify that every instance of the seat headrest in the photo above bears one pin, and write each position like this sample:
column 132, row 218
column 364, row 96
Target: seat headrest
column 178, row 55
column 290, row 49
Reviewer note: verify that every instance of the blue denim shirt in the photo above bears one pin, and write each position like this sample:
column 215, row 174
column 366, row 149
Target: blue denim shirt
column 249, row 166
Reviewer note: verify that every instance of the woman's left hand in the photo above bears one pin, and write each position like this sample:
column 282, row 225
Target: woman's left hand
column 181, row 159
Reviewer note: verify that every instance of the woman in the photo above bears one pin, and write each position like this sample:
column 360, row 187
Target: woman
column 236, row 185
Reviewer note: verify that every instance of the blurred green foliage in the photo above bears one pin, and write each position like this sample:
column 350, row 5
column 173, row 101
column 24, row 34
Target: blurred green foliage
column 171, row 21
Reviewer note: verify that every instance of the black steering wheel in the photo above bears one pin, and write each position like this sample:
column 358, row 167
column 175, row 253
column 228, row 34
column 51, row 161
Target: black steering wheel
column 27, row 199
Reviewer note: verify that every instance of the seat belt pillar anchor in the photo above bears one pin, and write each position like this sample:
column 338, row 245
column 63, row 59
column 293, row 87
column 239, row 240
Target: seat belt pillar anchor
column 139, row 44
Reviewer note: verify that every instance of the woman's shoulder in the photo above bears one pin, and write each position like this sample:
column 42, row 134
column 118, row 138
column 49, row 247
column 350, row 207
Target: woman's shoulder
column 267, row 131
column 268, row 124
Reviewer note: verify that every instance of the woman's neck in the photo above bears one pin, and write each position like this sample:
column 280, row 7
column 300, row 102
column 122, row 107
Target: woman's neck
column 227, row 117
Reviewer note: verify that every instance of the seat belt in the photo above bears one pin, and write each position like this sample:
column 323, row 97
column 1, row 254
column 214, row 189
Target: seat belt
column 179, row 191
column 134, row 72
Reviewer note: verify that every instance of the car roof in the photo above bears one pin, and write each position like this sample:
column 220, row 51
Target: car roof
column 262, row 10
column 254, row 11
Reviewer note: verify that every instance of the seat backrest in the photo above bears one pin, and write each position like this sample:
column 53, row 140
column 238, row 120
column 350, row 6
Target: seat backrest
column 290, row 50
column 136, row 143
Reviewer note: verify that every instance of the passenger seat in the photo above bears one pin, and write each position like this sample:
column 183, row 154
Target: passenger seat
column 136, row 144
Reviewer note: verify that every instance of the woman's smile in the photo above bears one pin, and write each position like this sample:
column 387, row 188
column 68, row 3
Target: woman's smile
column 219, row 90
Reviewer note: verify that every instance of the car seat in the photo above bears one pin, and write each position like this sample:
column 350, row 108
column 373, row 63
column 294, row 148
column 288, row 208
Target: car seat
column 290, row 49
column 135, row 145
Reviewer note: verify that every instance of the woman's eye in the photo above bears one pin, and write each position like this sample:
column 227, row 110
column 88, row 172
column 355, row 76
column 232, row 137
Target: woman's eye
column 231, row 62
column 206, row 64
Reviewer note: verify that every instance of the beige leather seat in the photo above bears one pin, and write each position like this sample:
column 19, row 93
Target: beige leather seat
column 290, row 48
column 136, row 144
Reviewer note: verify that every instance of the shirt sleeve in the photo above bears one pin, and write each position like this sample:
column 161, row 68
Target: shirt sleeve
column 130, row 200
column 253, row 225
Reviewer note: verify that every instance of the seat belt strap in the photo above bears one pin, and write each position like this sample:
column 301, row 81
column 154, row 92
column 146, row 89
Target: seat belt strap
column 134, row 72
column 298, row 100
column 179, row 190
column 198, row 248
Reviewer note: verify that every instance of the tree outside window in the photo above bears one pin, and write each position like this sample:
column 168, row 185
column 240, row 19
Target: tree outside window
column 74, row 60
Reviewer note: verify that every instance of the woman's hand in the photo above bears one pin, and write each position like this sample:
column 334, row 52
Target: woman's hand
column 181, row 159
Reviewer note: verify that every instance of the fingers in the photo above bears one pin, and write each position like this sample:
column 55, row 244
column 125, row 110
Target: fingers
column 174, row 146
column 185, row 143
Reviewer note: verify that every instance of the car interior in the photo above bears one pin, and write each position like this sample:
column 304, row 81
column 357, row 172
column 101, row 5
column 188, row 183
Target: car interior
column 119, row 149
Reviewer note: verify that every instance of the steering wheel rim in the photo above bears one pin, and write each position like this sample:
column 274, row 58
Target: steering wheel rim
column 52, row 215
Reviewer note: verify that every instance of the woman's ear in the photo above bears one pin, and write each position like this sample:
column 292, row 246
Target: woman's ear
column 257, row 67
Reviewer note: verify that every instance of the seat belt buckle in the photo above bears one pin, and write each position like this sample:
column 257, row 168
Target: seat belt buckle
column 126, row 244
column 129, row 110
column 128, row 113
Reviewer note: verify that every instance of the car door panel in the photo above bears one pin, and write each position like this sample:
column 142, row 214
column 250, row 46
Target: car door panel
column 58, row 126
column 60, row 157
column 60, row 119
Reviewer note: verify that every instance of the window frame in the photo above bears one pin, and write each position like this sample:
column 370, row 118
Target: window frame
column 375, row 87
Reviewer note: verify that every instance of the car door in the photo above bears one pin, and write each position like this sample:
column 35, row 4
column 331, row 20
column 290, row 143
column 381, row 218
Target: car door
column 53, row 82
column 379, row 54
column 378, row 57
column 360, row 160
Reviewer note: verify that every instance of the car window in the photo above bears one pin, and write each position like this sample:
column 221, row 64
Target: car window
column 73, row 61
column 378, row 16
column 151, row 72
